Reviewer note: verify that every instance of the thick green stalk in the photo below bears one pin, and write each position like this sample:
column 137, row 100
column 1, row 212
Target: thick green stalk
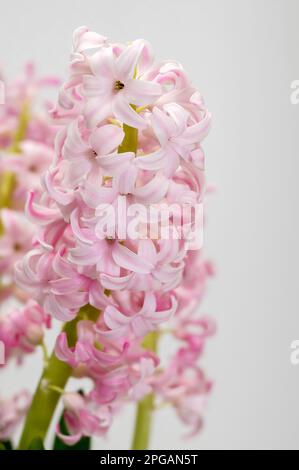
column 144, row 412
column 129, row 144
column 56, row 373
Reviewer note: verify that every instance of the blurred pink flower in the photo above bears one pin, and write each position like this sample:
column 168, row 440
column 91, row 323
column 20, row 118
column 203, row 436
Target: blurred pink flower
column 82, row 418
column 22, row 329
column 15, row 241
column 11, row 413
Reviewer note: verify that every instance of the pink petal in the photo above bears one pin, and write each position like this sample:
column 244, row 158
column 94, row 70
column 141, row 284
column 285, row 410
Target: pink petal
column 106, row 139
column 115, row 283
column 179, row 115
column 141, row 92
column 152, row 161
column 61, row 266
column 39, row 214
column 69, row 440
column 74, row 146
column 97, row 298
column 62, row 349
column 81, row 353
column 164, row 127
column 198, row 158
column 102, row 65
column 112, row 334
column 172, row 161
column 63, row 198
column 85, row 255
column 153, row 191
column 114, row 165
column 84, row 235
column 141, row 326
column 65, row 285
column 93, row 195
column 127, row 61
column 129, row 260
column 53, row 307
column 77, row 171
column 123, row 111
column 147, row 250
column 114, row 318
column 98, row 108
column 84, row 39
column 149, row 304
column 197, row 132
column 146, row 59
column 126, row 181
column 164, row 315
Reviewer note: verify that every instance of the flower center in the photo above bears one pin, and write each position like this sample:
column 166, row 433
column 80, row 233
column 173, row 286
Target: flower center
column 118, row 85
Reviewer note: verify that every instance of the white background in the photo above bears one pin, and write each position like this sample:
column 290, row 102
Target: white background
column 243, row 56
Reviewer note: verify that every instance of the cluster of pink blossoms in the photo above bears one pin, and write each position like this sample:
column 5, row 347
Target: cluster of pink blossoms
column 130, row 129
column 12, row 411
column 26, row 150
column 26, row 143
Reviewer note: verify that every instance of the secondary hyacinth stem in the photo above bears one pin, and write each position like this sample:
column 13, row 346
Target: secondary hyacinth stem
column 144, row 409
column 143, row 421
column 56, row 373
column 21, row 129
column 7, row 187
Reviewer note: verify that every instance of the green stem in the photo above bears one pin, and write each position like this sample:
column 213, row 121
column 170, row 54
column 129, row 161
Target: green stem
column 7, row 186
column 144, row 412
column 130, row 142
column 21, row 130
column 56, row 373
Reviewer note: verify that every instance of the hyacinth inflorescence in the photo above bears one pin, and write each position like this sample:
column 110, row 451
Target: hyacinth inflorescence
column 130, row 129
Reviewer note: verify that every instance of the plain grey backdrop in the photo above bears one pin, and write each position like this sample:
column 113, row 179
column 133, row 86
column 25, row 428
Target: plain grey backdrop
column 243, row 56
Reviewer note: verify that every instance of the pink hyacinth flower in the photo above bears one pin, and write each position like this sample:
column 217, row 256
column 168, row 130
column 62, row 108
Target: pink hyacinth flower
column 138, row 324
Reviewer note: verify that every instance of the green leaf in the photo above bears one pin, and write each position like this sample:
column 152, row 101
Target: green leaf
column 36, row 444
column 7, row 445
column 2, row 446
column 83, row 444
